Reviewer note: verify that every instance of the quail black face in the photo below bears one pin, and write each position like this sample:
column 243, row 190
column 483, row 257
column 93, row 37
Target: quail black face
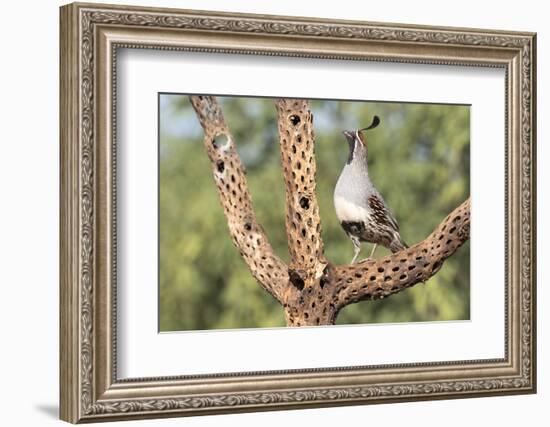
column 357, row 141
column 357, row 144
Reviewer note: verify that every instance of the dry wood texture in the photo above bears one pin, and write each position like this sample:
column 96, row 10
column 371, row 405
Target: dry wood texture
column 311, row 289
column 229, row 175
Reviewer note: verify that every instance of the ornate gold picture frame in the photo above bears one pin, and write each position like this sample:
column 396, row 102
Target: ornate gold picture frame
column 91, row 36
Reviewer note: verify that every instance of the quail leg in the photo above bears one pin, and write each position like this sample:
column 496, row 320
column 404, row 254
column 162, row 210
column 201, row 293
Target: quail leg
column 370, row 258
column 373, row 249
column 357, row 247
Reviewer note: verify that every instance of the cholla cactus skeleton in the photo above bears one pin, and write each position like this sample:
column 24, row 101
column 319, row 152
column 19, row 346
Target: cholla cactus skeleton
column 311, row 289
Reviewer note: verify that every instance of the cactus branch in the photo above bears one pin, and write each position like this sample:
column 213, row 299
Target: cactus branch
column 229, row 176
column 391, row 274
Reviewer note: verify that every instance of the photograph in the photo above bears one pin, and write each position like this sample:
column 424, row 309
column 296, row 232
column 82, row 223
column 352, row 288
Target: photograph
column 387, row 174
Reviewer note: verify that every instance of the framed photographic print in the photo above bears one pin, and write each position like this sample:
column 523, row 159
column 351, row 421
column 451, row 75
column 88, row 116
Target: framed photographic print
column 266, row 212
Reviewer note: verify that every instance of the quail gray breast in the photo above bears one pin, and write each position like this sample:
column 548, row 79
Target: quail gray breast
column 360, row 208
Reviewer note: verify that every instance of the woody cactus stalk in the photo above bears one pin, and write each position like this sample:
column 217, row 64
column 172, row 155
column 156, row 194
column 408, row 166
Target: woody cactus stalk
column 311, row 289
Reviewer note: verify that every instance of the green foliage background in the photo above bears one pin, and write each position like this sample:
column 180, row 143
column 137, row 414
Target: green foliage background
column 418, row 159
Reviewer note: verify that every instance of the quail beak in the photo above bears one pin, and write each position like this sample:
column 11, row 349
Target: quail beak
column 353, row 136
column 349, row 135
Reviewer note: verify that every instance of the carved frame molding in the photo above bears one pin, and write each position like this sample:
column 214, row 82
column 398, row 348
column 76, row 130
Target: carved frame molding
column 90, row 36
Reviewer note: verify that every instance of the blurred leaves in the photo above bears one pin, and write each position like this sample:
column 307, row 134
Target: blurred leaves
column 418, row 159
